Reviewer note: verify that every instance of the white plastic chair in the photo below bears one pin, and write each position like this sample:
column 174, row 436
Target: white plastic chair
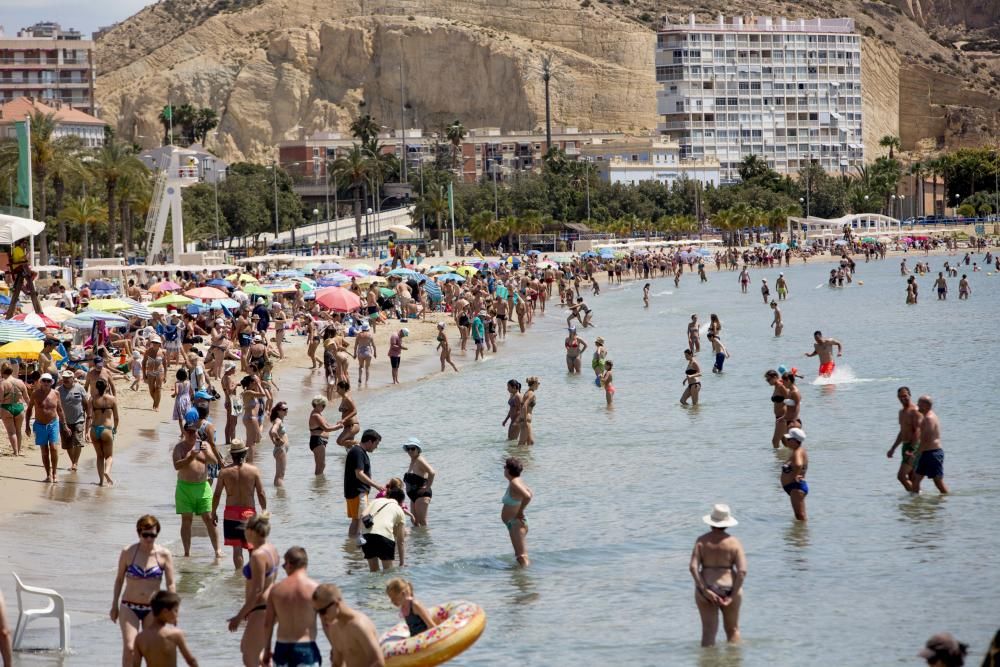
column 55, row 609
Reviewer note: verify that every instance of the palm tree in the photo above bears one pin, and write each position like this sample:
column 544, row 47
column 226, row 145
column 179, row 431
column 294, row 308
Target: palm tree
column 891, row 142
column 752, row 166
column 134, row 194
column 114, row 162
column 456, row 133
column 43, row 153
column 354, row 169
column 67, row 165
column 364, row 129
column 744, row 216
column 918, row 170
column 84, row 212
column 433, row 203
column 484, row 228
column 723, row 221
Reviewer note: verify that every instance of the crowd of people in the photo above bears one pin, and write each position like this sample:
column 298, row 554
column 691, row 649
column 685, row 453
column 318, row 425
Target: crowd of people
column 230, row 356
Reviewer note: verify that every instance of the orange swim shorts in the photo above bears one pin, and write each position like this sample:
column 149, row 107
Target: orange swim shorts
column 826, row 369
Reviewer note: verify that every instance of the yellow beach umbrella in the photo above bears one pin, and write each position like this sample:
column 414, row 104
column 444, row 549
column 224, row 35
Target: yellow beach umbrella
column 467, row 271
column 171, row 300
column 240, row 278
column 57, row 314
column 25, row 349
column 108, row 305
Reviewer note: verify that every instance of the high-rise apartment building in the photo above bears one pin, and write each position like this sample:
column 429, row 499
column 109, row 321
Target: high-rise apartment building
column 788, row 91
column 50, row 64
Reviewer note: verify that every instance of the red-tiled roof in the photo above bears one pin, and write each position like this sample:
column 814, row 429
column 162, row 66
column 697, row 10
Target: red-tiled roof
column 23, row 106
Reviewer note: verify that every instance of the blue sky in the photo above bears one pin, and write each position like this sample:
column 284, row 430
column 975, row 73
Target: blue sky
column 84, row 15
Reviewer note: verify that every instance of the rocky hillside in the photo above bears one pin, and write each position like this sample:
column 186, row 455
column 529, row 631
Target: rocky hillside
column 279, row 69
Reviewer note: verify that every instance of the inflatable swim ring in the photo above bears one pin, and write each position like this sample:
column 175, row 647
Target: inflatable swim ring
column 459, row 625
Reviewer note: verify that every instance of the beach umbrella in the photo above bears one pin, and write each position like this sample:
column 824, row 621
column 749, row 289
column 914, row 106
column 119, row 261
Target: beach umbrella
column 778, row 246
column 241, row 278
column 840, row 242
column 207, row 293
column 452, row 276
column 289, row 273
column 14, row 228
column 332, row 281
column 404, row 273
column 327, row 266
column 136, row 309
column 467, row 270
column 101, row 286
column 37, row 321
column 170, row 300
column 4, row 299
column 107, row 305
column 57, row 314
column 12, row 330
column 278, row 289
column 351, row 273
column 386, row 292
column 433, row 291
column 338, row 299
column 370, row 280
column 534, row 252
column 587, row 255
column 365, row 268
column 868, row 239
column 441, row 269
column 26, row 349
column 219, row 282
column 257, row 289
column 547, row 264
column 164, row 286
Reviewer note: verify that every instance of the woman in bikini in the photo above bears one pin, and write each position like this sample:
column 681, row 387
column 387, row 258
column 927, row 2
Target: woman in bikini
column 714, row 324
column 279, row 438
column 515, row 500
column 217, row 348
column 445, row 348
column 279, row 318
column 792, row 402
column 778, row 396
column 418, row 480
column 694, row 336
column 233, row 404
column 575, row 348
column 319, row 429
column 692, row 380
column 525, row 435
column 718, row 567
column 142, row 569
column 13, row 399
column 608, row 381
column 364, row 352
column 511, row 421
column 348, row 416
column 153, row 369
column 253, row 405
column 260, row 574
column 103, row 428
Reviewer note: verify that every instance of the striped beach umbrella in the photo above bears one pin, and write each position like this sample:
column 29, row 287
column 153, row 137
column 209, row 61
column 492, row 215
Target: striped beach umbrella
column 136, row 309
column 11, row 330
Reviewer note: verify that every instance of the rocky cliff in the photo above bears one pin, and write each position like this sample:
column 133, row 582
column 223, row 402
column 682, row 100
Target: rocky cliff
column 282, row 69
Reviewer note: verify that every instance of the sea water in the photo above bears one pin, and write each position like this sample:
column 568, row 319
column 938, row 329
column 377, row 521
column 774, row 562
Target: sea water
column 619, row 493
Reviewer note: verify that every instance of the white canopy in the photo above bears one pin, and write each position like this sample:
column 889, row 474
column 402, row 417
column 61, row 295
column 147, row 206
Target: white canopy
column 14, row 228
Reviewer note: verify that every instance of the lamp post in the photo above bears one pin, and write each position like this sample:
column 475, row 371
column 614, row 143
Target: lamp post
column 586, row 162
column 316, row 220
column 215, row 183
column 274, row 171
column 495, row 167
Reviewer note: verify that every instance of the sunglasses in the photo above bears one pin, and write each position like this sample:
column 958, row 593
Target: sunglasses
column 149, row 535
column 323, row 610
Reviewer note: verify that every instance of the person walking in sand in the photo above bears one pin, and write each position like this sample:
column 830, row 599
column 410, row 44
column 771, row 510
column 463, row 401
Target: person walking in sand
column 396, row 348
column 103, row 421
column 719, row 567
column 445, row 348
column 154, row 369
column 48, row 412
column 823, row 347
column 242, row 483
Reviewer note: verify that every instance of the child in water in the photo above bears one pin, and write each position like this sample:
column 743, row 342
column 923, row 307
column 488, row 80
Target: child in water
column 160, row 640
column 418, row 619
column 608, row 380
column 645, row 295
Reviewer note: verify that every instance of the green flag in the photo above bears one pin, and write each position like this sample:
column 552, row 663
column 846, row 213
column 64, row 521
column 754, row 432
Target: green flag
column 23, row 165
column 168, row 112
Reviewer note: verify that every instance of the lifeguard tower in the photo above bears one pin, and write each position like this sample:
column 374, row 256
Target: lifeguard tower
column 178, row 168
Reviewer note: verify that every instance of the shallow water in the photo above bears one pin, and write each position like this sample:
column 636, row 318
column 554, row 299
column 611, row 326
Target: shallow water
column 619, row 493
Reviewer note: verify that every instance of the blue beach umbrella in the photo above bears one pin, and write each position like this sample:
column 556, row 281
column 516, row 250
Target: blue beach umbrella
column 405, row 273
column 433, row 291
column 457, row 277
column 219, row 282
column 4, row 300
column 86, row 319
column 11, row 330
column 288, row 273
column 101, row 286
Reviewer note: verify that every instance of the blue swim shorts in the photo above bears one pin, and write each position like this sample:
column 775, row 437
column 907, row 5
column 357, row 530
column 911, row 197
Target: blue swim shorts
column 46, row 434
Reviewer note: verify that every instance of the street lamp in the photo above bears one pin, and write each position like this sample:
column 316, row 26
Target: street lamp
column 368, row 215
column 316, row 221
column 274, row 170
column 586, row 161
column 215, row 183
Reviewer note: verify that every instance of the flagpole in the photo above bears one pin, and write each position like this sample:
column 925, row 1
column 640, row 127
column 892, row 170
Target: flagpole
column 31, row 191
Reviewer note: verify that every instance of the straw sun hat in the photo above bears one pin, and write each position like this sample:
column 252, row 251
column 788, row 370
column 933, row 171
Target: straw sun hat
column 720, row 517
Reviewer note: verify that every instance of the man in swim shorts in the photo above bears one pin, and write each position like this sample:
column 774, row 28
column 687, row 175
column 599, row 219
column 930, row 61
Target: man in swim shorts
column 824, row 348
column 909, row 429
column 352, row 635
column 929, row 457
column 48, row 413
column 290, row 607
column 193, row 493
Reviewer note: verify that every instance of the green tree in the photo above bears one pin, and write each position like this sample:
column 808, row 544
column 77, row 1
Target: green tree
column 433, row 204
column 891, row 142
column 353, row 170
column 205, row 120
column 364, row 129
column 112, row 163
column 484, row 229
column 84, row 213
column 456, row 133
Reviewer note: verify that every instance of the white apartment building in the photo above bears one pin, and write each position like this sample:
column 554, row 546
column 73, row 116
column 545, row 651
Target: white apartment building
column 786, row 90
column 644, row 159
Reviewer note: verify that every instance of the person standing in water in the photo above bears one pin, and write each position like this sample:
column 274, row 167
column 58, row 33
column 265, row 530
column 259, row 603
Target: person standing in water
column 260, row 574
column 193, row 492
column 911, row 290
column 692, row 380
column 526, row 413
column 721, row 353
column 719, row 567
column 964, row 289
column 908, row 438
column 289, row 606
column 776, row 323
column 929, row 456
column 645, row 296
column 159, row 643
column 241, row 482
column 418, row 480
column 824, row 348
column 515, row 500
column 782, row 286
column 608, row 381
column 575, row 347
column 941, row 284
column 765, row 291
column 352, row 635
column 694, row 336
column 793, row 472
